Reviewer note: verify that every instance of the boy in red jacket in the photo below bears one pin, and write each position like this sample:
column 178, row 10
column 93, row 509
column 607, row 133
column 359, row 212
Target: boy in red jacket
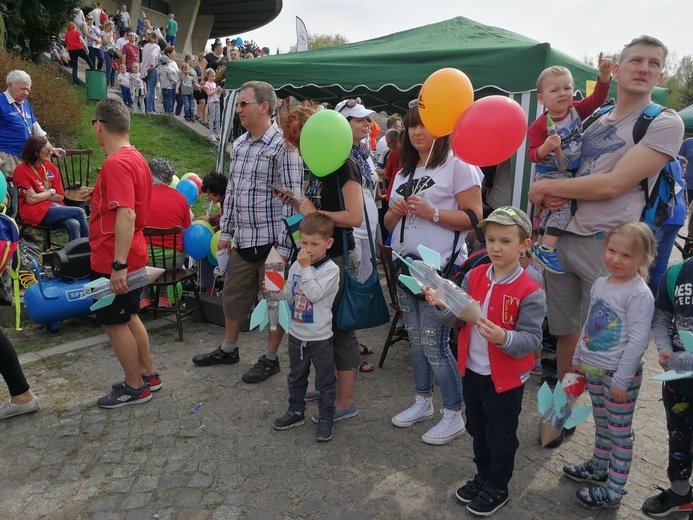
column 495, row 355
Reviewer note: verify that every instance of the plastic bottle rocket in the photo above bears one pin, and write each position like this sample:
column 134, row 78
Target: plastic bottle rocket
column 560, row 159
column 558, row 407
column 101, row 288
column 274, row 286
column 425, row 274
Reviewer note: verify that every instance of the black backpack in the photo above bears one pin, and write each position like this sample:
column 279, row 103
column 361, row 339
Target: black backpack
column 477, row 255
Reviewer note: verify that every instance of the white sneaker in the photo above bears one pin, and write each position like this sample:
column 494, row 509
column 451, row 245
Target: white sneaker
column 421, row 410
column 449, row 428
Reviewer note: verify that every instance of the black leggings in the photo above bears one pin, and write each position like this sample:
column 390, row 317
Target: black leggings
column 10, row 369
column 79, row 53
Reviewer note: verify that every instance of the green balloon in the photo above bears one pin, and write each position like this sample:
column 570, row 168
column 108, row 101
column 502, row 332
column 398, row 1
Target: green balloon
column 214, row 243
column 326, row 141
column 174, row 182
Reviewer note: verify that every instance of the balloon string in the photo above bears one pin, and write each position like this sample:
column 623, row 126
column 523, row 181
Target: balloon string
column 429, row 153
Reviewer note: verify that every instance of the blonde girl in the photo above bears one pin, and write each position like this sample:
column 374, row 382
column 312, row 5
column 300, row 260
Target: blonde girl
column 609, row 354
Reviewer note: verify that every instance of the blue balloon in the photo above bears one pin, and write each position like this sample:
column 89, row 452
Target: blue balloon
column 189, row 189
column 3, row 187
column 196, row 240
column 239, row 41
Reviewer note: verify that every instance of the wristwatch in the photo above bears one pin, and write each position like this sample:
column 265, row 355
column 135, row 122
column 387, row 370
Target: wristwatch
column 118, row 266
column 436, row 216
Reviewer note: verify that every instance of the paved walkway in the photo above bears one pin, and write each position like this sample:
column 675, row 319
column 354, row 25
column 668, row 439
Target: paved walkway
column 159, row 460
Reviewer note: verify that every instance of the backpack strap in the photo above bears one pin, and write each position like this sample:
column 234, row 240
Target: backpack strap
column 639, row 131
column 475, row 223
column 604, row 109
column 671, row 278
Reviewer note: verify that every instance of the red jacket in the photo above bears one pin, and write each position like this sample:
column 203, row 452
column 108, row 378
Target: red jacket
column 503, row 309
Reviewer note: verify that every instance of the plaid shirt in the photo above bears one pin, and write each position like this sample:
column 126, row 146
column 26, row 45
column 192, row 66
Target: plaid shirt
column 252, row 214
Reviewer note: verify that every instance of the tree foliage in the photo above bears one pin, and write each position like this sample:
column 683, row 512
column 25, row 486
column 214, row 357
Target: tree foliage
column 29, row 23
column 318, row 41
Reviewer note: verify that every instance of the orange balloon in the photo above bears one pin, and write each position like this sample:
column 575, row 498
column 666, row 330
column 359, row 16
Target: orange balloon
column 442, row 99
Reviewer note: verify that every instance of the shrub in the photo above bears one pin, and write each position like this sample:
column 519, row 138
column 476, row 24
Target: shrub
column 57, row 104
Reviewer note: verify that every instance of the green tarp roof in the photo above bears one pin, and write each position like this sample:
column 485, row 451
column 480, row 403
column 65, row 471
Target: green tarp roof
column 387, row 72
column 687, row 116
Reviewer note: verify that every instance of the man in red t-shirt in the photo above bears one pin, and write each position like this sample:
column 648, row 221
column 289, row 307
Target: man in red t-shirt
column 120, row 208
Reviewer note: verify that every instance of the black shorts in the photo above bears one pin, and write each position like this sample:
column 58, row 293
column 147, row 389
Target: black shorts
column 199, row 96
column 122, row 308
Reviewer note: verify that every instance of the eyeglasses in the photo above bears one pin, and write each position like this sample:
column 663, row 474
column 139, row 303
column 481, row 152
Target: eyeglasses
column 93, row 121
column 90, row 19
column 244, row 104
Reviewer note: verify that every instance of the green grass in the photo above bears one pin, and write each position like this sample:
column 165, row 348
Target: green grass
column 155, row 137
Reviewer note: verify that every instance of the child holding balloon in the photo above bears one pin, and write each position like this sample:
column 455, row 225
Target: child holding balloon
column 555, row 142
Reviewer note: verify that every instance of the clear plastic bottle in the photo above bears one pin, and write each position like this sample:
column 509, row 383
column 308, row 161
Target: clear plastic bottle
column 273, row 286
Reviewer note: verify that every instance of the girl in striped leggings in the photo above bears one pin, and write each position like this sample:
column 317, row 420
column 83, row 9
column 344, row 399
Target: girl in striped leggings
column 609, row 354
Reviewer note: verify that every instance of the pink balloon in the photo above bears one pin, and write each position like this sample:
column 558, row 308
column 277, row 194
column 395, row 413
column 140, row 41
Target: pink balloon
column 489, row 131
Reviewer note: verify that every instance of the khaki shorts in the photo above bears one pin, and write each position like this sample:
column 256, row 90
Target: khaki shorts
column 242, row 284
column 568, row 294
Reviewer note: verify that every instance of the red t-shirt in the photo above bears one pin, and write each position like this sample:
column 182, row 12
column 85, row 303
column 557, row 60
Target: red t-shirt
column 169, row 208
column 393, row 166
column 131, row 53
column 40, row 179
column 125, row 182
column 72, row 38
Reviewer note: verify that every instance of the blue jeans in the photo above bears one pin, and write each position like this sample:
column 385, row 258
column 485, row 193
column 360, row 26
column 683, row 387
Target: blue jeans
column 429, row 342
column 127, row 97
column 666, row 236
column 167, row 94
column 110, row 71
column 68, row 217
column 189, row 106
column 151, row 90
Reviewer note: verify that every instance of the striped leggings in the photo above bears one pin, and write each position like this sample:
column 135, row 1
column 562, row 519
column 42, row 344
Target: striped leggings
column 613, row 440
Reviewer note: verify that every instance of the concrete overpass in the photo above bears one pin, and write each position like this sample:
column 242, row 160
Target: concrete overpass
column 200, row 20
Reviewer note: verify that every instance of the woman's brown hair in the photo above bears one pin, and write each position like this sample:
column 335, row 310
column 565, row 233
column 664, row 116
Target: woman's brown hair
column 410, row 155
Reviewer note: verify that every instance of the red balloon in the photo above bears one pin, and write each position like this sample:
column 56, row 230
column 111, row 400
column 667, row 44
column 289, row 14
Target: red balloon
column 196, row 179
column 489, row 131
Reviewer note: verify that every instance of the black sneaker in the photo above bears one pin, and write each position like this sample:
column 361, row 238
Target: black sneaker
column 550, row 364
column 550, row 380
column 263, row 369
column 325, row 429
column 489, row 500
column 153, row 380
column 123, row 394
column 217, row 357
column 667, row 502
column 470, row 490
column 289, row 420
column 584, row 473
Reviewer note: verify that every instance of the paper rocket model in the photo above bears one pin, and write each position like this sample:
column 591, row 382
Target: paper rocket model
column 558, row 407
column 560, row 160
column 273, row 309
column 424, row 273
column 101, row 287
column 670, row 375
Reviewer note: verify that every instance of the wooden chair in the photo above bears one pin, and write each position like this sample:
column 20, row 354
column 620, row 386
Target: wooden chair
column 169, row 259
column 389, row 270
column 75, row 169
column 46, row 232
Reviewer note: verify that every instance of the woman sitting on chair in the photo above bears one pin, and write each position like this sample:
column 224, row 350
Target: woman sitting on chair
column 41, row 191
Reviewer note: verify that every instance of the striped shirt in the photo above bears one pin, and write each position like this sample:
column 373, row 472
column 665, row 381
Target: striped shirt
column 252, row 214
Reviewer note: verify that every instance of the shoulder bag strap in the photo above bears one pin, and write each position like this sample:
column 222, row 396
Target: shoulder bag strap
column 368, row 229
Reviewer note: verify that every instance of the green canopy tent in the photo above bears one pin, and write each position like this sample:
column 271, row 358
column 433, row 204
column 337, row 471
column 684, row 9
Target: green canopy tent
column 687, row 116
column 387, row 73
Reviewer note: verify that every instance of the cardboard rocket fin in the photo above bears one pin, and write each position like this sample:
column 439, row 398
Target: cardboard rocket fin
column 544, row 398
column 579, row 415
column 410, row 283
column 559, row 397
column 259, row 316
column 429, row 256
column 284, row 315
column 672, row 375
column 687, row 340
column 103, row 302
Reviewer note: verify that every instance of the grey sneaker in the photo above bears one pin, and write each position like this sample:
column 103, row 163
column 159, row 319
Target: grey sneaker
column 7, row 409
column 289, row 420
column 325, row 429
column 339, row 415
column 667, row 502
column 584, row 473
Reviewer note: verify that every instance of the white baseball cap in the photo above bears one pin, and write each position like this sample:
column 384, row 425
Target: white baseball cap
column 353, row 108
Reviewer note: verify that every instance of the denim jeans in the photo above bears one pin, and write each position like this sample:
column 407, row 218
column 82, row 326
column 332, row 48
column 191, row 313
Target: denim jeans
column 151, row 91
column 167, row 94
column 189, row 106
column 127, row 97
column 666, row 235
column 110, row 71
column 429, row 342
column 68, row 217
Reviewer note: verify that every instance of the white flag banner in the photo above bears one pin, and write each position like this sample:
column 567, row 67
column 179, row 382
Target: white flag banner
column 301, row 36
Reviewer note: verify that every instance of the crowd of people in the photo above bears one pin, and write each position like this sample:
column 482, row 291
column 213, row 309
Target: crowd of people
column 594, row 257
column 116, row 45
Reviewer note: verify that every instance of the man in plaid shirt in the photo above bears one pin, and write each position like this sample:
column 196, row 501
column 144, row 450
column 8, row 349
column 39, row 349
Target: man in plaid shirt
column 252, row 217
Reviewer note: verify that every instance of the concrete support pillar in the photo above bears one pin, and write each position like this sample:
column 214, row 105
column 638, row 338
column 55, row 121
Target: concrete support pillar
column 199, row 34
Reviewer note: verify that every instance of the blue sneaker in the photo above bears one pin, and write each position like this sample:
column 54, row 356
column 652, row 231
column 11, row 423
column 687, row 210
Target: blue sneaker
column 597, row 497
column 339, row 415
column 546, row 258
